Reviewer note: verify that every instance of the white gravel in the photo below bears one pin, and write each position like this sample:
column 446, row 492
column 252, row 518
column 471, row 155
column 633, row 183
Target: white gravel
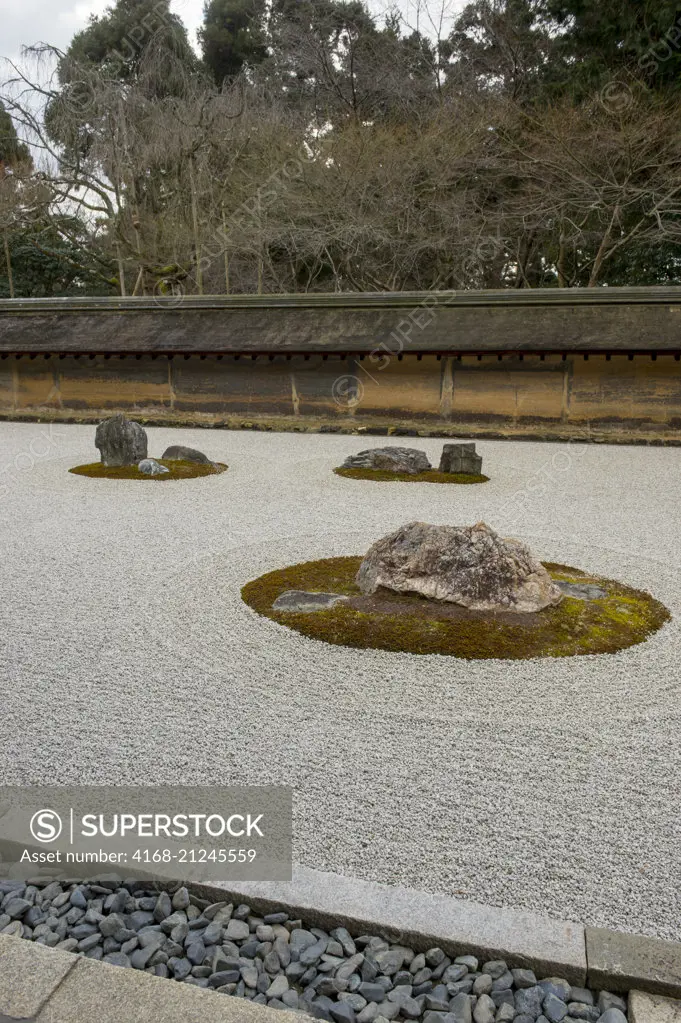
column 128, row 656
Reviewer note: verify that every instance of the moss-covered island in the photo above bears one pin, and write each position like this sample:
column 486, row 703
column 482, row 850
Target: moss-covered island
column 178, row 470
column 430, row 476
column 409, row 623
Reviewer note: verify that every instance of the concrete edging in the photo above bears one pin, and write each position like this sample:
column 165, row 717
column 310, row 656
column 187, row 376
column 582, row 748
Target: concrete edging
column 49, row 986
column 44, row 985
column 418, row 919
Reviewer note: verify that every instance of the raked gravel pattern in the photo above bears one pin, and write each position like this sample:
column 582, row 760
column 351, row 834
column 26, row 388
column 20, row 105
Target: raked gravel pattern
column 128, row 656
column 278, row 961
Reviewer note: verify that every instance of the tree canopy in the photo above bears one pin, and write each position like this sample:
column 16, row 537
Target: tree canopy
column 313, row 145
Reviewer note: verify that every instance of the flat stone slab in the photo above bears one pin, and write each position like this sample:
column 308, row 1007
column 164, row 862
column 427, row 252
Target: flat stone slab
column 421, row 921
column 582, row 591
column 645, row 1008
column 112, row 994
column 620, row 962
column 29, row 974
column 305, row 602
column 44, row 985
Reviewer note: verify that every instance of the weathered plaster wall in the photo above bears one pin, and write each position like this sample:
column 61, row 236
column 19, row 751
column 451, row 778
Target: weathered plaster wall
column 620, row 398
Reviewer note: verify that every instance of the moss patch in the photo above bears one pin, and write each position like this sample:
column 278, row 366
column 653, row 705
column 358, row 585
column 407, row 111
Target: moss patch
column 179, row 470
column 431, row 476
column 408, row 623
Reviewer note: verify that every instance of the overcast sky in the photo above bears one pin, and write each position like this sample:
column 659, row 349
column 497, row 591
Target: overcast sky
column 23, row 22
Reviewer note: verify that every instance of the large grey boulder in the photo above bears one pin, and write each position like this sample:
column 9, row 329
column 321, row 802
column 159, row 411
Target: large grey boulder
column 460, row 458
column 467, row 565
column 121, row 441
column 407, row 460
column 177, row 452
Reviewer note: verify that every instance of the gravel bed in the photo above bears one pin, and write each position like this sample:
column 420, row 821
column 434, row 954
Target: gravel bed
column 128, row 656
column 281, row 963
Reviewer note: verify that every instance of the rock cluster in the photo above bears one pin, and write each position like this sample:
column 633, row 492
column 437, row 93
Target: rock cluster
column 467, row 565
column 280, row 962
column 405, row 460
column 455, row 458
column 121, row 441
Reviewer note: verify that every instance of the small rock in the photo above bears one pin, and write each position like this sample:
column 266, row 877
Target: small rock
column 556, row 986
column 150, row 467
column 16, row 908
column 389, row 962
column 341, row 1012
column 524, row 978
column 237, row 930
column 180, row 968
column 343, row 937
column 581, row 994
column 196, row 953
column 141, row 956
column 460, row 1009
column 485, row 1010
column 579, row 1010
column 554, row 1008
column 181, row 896
column 372, row 992
column 607, row 1000
column 301, row 939
column 117, row 959
column 212, row 934
column 613, row 1015
column 355, row 1001
column 78, row 899
column 313, row 953
column 388, row 1010
column 482, row 984
column 67, row 945
column 529, row 1000
column 470, row 962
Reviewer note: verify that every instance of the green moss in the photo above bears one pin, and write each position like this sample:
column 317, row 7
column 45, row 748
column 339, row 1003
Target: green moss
column 431, row 476
column 408, row 623
column 179, row 470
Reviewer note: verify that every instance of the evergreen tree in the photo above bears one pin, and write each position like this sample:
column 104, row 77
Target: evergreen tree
column 233, row 37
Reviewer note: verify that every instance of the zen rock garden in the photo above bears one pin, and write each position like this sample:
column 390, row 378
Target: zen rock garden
column 458, row 590
column 123, row 447
column 283, row 963
column 459, row 463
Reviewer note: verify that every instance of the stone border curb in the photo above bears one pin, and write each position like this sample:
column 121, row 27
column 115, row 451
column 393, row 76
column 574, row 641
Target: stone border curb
column 619, row 962
column 645, row 1008
column 419, row 920
column 44, row 985
column 649, row 968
